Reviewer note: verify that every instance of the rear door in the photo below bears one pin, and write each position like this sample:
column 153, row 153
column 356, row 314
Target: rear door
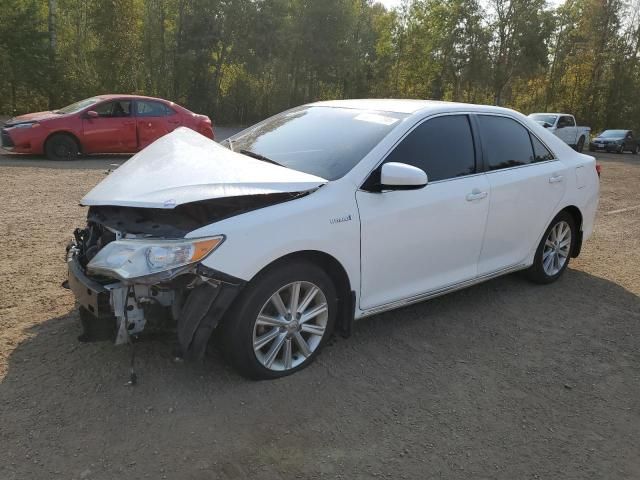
column 527, row 183
column 417, row 241
column 154, row 119
column 112, row 131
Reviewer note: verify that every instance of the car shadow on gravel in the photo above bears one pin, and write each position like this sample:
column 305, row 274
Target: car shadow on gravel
column 503, row 379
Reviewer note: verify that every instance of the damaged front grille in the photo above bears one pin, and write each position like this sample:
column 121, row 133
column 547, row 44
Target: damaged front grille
column 178, row 221
column 90, row 240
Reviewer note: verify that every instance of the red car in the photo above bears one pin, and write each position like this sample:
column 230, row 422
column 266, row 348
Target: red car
column 102, row 124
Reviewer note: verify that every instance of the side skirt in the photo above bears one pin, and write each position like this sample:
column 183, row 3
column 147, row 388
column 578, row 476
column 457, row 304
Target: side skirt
column 441, row 291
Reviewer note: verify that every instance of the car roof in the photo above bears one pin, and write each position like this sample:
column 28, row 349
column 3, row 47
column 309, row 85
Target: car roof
column 407, row 106
column 110, row 96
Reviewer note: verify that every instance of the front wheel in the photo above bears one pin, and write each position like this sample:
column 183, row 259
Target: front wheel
column 281, row 321
column 635, row 150
column 61, row 147
column 554, row 251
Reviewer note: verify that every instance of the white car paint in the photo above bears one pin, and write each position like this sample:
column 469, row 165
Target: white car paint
column 396, row 247
column 568, row 134
column 387, row 253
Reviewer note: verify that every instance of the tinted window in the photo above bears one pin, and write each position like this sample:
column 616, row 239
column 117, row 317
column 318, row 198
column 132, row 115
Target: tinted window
column 322, row 141
column 541, row 153
column 114, row 109
column 152, row 109
column 505, row 142
column 566, row 121
column 442, row 147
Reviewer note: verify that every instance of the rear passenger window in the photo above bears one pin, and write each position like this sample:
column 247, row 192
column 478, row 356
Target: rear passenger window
column 505, row 142
column 442, row 147
column 147, row 108
column 541, row 152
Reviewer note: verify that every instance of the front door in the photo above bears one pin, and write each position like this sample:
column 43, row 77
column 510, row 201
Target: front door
column 526, row 183
column 567, row 129
column 112, row 131
column 154, row 120
column 417, row 241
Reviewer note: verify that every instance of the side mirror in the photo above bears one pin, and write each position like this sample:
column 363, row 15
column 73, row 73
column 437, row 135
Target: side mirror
column 400, row 176
column 92, row 114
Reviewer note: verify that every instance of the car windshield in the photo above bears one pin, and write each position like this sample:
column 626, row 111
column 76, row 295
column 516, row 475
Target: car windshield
column 544, row 118
column 322, row 141
column 76, row 107
column 613, row 133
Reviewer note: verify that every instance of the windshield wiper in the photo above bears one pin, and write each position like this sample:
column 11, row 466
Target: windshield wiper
column 257, row 156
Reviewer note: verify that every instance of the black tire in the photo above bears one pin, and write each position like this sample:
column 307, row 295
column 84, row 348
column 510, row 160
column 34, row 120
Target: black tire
column 238, row 329
column 620, row 149
column 580, row 146
column 536, row 273
column 61, row 146
column 635, row 150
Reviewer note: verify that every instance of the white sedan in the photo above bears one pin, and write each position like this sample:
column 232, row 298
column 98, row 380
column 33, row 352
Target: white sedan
column 320, row 215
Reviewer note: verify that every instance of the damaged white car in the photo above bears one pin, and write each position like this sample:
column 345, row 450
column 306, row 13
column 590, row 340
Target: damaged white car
column 320, row 215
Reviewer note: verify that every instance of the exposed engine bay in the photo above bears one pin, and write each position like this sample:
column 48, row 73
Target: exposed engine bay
column 193, row 301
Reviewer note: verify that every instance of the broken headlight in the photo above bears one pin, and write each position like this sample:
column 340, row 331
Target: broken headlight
column 128, row 259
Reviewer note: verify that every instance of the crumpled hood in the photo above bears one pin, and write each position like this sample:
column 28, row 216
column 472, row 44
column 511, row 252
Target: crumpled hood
column 184, row 167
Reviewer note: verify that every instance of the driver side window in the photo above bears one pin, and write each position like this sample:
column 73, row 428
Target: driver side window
column 442, row 147
column 115, row 109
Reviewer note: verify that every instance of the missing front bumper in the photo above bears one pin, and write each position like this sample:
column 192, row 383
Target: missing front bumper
column 197, row 306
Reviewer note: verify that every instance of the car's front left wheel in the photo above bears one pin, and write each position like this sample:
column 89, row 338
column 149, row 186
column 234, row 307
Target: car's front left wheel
column 281, row 321
column 61, row 146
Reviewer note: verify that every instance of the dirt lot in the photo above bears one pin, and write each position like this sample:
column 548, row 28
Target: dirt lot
column 503, row 380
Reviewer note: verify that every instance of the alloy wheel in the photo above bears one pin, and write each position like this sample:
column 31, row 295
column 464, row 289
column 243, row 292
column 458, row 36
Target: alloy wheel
column 557, row 247
column 290, row 326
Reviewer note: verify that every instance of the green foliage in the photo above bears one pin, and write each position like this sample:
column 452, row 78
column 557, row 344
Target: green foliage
column 242, row 60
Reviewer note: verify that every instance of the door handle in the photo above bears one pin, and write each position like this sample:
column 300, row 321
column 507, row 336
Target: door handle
column 476, row 195
column 556, row 178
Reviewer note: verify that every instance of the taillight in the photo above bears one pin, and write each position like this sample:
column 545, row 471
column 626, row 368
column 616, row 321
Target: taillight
column 598, row 169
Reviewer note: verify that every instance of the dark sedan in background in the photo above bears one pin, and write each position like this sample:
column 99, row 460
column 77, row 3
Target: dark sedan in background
column 615, row 141
column 101, row 124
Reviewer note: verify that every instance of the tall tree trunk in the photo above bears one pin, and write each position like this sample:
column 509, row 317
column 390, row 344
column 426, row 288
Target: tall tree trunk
column 53, row 47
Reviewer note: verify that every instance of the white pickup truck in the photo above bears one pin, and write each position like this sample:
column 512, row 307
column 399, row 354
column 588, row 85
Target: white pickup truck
column 563, row 126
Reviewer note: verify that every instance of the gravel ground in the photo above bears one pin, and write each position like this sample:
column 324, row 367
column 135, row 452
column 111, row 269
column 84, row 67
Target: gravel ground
column 502, row 380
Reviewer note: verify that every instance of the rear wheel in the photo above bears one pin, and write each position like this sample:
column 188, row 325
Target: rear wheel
column 61, row 147
column 635, row 150
column 554, row 251
column 281, row 322
column 580, row 145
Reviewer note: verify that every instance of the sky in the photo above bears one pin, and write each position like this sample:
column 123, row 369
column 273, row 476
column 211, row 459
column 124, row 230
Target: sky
column 390, row 3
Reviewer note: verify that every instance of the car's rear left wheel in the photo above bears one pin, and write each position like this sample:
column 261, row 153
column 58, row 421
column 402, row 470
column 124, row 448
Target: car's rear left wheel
column 554, row 251
column 281, row 321
column 580, row 146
